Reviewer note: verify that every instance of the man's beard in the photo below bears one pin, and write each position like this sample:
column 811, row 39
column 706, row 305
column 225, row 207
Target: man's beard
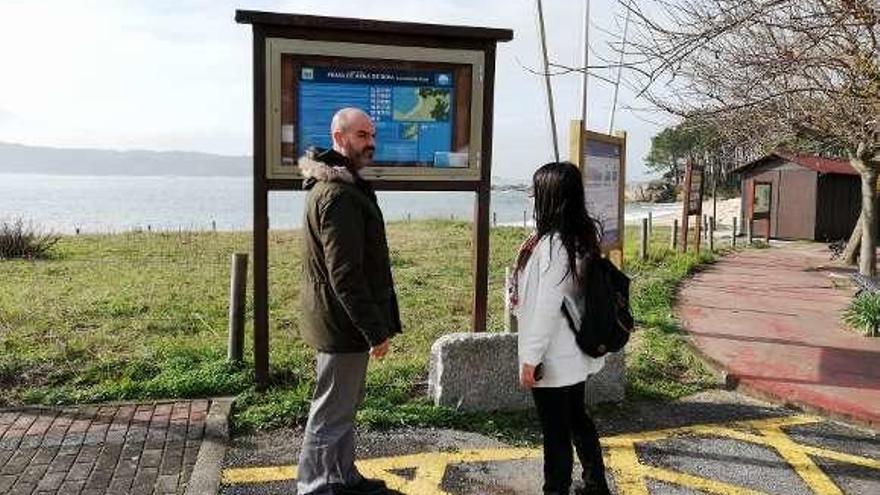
column 363, row 157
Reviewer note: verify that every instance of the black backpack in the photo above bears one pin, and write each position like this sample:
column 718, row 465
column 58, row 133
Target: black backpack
column 602, row 321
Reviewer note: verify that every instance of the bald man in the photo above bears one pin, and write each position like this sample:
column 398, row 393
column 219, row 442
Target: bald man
column 349, row 306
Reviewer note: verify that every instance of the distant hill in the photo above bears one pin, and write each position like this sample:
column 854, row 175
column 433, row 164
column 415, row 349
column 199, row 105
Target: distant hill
column 16, row 158
column 20, row 159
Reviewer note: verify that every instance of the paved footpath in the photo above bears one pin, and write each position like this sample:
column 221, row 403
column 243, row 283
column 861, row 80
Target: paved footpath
column 146, row 448
column 771, row 319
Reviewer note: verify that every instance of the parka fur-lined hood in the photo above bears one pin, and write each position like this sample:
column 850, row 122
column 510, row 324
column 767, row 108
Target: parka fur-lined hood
column 315, row 169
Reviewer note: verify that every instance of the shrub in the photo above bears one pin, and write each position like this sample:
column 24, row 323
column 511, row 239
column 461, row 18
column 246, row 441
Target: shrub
column 863, row 313
column 20, row 240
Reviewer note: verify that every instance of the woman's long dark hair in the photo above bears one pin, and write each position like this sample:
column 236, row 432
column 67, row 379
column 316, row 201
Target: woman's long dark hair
column 560, row 210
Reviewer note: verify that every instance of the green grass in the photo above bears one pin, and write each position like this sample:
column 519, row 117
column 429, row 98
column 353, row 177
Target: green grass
column 143, row 315
column 863, row 313
column 660, row 363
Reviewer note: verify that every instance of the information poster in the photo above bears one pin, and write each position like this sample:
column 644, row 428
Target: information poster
column 602, row 187
column 412, row 110
column 695, row 198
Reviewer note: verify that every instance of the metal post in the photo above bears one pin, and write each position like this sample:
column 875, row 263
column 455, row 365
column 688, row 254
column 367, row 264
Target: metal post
column 237, row 307
column 705, row 225
column 673, row 241
column 525, row 222
column 619, row 70
column 494, row 218
column 547, row 84
column 650, row 225
column 751, row 232
column 643, row 246
column 585, row 77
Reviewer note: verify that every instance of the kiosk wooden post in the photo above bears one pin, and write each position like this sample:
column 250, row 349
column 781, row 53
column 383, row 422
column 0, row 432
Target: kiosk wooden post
column 289, row 49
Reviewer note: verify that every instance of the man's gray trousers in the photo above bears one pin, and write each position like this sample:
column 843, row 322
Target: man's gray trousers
column 327, row 455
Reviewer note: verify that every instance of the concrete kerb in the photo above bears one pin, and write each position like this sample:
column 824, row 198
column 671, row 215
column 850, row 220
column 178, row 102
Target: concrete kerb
column 205, row 478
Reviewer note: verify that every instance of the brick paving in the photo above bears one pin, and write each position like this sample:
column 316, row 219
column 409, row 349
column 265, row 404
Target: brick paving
column 147, row 448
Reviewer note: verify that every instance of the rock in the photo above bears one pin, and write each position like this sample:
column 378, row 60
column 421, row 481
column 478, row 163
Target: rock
column 478, row 372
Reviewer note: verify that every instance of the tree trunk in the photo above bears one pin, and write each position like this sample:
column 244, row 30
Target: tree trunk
column 868, row 251
column 851, row 253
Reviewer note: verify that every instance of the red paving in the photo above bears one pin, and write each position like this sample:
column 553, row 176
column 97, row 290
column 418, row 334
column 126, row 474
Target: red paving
column 771, row 319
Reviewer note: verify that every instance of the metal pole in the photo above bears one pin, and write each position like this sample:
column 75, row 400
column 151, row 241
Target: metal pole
column 751, row 231
column 650, row 225
column 547, row 79
column 237, row 307
column 619, row 69
column 585, row 77
column 643, row 246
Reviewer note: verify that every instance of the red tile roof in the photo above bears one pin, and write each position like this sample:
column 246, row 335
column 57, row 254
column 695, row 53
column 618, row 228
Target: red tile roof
column 812, row 162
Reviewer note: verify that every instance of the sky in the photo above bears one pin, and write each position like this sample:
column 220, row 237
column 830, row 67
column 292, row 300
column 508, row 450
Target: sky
column 176, row 75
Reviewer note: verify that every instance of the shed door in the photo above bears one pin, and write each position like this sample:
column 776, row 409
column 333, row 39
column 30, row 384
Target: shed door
column 795, row 207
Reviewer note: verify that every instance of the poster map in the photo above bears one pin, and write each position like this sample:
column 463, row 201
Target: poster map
column 412, row 110
column 602, row 187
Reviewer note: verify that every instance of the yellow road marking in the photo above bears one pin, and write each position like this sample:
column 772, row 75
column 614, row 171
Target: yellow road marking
column 242, row 476
column 629, row 474
column 695, row 482
column 622, row 460
column 814, row 477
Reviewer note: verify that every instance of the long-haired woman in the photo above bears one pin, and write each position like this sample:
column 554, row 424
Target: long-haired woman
column 551, row 265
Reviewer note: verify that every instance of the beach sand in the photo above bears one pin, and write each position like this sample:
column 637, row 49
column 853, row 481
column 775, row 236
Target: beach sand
column 727, row 209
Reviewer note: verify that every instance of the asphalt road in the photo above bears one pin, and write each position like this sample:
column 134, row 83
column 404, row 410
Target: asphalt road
column 717, row 442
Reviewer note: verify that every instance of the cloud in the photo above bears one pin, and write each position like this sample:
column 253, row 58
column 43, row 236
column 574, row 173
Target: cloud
column 177, row 74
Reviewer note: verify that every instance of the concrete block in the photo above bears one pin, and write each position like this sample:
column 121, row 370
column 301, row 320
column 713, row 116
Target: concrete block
column 478, row 372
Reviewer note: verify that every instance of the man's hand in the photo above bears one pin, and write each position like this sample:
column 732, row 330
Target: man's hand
column 527, row 375
column 378, row 351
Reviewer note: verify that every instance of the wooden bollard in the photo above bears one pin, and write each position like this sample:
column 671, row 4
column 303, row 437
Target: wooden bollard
column 643, row 246
column 510, row 323
column 711, row 234
column 733, row 237
column 650, row 224
column 673, row 242
column 237, row 292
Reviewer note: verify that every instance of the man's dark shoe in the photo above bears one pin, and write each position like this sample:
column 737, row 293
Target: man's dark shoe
column 366, row 486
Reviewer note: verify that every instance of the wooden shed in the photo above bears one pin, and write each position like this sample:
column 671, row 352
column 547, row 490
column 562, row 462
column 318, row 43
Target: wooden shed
column 800, row 196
